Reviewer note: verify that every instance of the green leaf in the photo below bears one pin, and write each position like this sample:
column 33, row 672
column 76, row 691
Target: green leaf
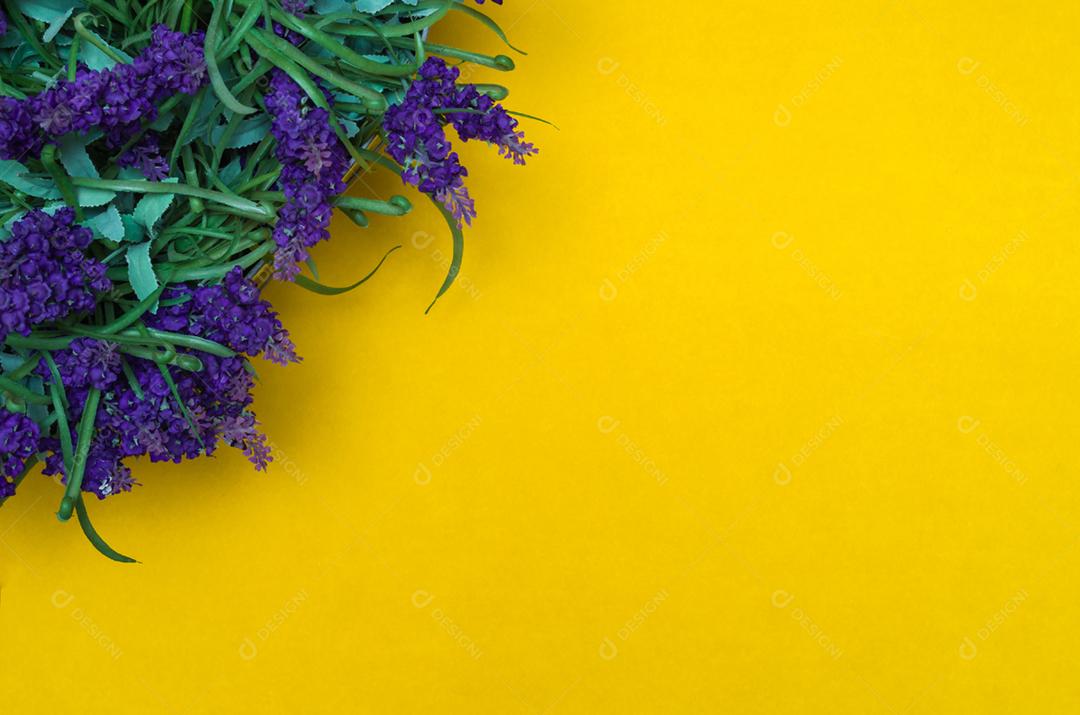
column 152, row 207
column 107, row 223
column 16, row 176
column 95, row 538
column 247, row 132
column 459, row 249
column 316, row 287
column 489, row 23
column 76, row 160
column 328, row 7
column 374, row 6
column 47, row 10
column 217, row 81
column 56, row 25
column 141, row 270
column 230, row 172
column 133, row 230
column 94, row 58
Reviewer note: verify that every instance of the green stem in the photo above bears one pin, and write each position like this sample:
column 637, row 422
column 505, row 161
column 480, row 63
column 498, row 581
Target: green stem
column 75, row 475
column 243, row 206
column 94, row 40
column 22, row 391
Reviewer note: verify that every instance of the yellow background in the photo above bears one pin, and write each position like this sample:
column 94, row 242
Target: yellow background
column 757, row 394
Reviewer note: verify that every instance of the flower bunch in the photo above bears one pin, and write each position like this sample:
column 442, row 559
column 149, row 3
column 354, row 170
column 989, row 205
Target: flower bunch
column 159, row 161
column 417, row 136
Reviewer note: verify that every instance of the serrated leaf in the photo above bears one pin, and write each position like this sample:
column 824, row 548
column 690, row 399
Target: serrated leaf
column 108, row 224
column 47, row 10
column 141, row 270
column 247, row 132
column 133, row 230
column 94, row 58
column 377, row 5
column 327, row 7
column 350, row 127
column 77, row 161
column 55, row 26
column 152, row 207
column 16, row 176
column 229, row 173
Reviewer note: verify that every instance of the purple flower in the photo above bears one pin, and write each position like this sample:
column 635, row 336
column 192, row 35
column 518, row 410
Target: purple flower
column 230, row 313
column 313, row 163
column 19, row 437
column 296, row 7
column 45, row 272
column 18, row 134
column 207, row 407
column 417, row 138
column 241, row 431
column 86, row 363
column 116, row 100
column 146, row 157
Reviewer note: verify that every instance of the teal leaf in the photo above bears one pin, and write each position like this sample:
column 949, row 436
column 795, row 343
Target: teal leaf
column 141, row 270
column 47, row 10
column 350, row 127
column 371, row 5
column 108, row 224
column 94, row 58
column 152, row 207
column 230, row 172
column 16, row 176
column 77, row 161
column 133, row 230
column 327, row 7
column 56, row 25
column 247, row 132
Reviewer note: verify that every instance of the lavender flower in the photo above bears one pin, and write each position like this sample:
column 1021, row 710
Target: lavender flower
column 296, row 7
column 86, row 363
column 19, row 437
column 417, row 139
column 146, row 157
column 313, row 163
column 213, row 404
column 45, row 273
column 116, row 100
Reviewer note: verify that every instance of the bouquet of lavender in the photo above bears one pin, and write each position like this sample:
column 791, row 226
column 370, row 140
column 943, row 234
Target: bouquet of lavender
column 159, row 161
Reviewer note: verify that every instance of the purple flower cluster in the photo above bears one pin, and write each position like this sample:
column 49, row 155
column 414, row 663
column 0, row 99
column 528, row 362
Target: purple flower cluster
column 18, row 442
column 417, row 138
column 87, row 363
column 117, row 100
column 139, row 412
column 313, row 163
column 230, row 313
column 45, row 272
column 296, row 7
column 145, row 155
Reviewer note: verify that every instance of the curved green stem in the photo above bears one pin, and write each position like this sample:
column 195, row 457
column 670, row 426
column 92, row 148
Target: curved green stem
column 94, row 40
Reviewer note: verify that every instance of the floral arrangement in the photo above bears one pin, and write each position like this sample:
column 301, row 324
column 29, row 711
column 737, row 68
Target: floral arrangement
column 160, row 160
